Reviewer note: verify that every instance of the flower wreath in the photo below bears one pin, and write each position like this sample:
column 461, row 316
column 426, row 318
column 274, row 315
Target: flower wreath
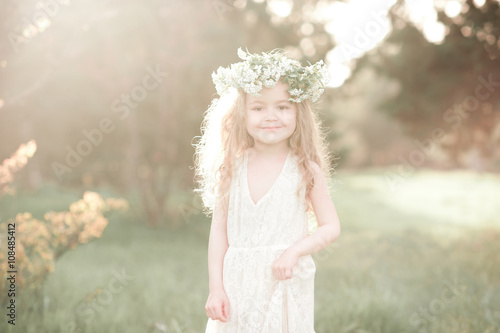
column 258, row 71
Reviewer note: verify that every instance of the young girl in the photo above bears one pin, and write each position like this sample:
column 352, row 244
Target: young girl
column 262, row 167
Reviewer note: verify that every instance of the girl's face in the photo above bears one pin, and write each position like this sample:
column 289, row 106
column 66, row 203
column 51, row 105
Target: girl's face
column 271, row 118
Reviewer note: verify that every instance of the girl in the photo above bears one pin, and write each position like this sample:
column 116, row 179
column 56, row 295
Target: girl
column 262, row 166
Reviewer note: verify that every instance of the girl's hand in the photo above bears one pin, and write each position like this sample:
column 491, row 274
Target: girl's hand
column 283, row 266
column 217, row 306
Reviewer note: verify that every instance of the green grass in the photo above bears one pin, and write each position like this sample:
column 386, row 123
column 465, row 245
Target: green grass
column 398, row 253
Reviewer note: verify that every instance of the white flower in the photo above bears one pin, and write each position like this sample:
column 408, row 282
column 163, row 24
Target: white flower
column 258, row 71
column 241, row 54
column 270, row 83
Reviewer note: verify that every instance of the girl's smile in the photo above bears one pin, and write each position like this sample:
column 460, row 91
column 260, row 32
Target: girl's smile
column 271, row 118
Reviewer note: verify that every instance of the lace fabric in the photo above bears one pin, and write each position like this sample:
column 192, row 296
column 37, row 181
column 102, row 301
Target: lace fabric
column 258, row 233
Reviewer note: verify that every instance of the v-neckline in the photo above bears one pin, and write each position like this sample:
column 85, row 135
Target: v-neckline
column 245, row 175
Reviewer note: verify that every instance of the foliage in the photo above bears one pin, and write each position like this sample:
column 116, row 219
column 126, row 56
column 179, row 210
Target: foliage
column 13, row 164
column 444, row 95
column 100, row 62
column 38, row 244
column 388, row 265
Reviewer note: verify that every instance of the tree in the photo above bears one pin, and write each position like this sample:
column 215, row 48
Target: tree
column 449, row 93
column 32, row 245
column 88, row 65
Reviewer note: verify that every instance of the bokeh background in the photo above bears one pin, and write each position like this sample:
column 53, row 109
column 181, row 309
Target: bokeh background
column 102, row 101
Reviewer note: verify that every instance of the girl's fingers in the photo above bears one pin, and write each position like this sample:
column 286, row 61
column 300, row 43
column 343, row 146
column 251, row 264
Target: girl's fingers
column 209, row 313
column 218, row 314
column 282, row 273
column 212, row 313
column 218, row 311
column 222, row 316
column 226, row 309
column 207, row 310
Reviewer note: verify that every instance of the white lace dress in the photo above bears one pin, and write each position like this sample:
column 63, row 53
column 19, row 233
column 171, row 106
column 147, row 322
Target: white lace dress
column 258, row 234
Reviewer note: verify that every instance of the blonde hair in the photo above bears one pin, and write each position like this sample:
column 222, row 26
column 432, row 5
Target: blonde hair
column 225, row 139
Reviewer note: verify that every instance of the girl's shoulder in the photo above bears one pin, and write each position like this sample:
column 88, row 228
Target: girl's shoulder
column 239, row 161
column 314, row 170
column 313, row 166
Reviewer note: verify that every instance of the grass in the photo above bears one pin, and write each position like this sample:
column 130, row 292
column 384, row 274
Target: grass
column 423, row 258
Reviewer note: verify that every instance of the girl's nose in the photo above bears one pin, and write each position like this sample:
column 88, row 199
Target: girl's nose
column 271, row 113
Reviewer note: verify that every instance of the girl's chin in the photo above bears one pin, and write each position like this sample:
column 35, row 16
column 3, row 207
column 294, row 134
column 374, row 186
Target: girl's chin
column 271, row 141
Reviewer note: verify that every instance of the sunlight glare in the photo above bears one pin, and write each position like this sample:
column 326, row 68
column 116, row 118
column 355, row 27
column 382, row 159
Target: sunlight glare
column 282, row 8
column 434, row 32
column 421, row 11
column 453, row 8
column 339, row 71
column 424, row 15
column 357, row 26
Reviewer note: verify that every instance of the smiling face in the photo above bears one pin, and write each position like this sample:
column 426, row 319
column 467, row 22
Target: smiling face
column 271, row 118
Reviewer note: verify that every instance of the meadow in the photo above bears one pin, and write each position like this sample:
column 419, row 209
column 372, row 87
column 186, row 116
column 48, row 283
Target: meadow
column 418, row 257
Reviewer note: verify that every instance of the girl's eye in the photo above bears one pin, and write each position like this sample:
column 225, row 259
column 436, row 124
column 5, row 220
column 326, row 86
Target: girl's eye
column 257, row 108
column 283, row 107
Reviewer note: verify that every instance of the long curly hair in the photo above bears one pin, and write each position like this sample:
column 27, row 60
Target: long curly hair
column 225, row 139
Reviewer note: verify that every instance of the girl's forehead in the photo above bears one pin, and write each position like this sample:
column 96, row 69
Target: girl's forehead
column 279, row 92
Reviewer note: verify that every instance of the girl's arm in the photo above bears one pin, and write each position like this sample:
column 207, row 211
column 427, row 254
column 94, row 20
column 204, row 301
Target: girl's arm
column 217, row 246
column 217, row 306
column 327, row 232
column 326, row 214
